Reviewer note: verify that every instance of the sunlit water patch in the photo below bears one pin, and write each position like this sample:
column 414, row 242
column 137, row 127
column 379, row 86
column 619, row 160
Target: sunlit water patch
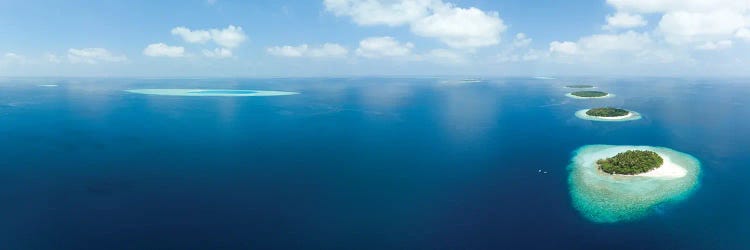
column 460, row 81
column 606, row 198
column 211, row 92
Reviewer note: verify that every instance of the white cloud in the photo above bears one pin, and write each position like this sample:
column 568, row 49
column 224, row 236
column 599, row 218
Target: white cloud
column 692, row 21
column 532, row 55
column 329, row 50
column 720, row 45
column 657, row 6
column 613, row 49
column 196, row 36
column 681, row 26
column 15, row 58
column 52, row 58
column 326, row 50
column 229, row 37
column 288, row 51
column 217, row 53
column 463, row 28
column 93, row 56
column 376, row 12
column 527, row 56
column 566, row 48
column 743, row 34
column 623, row 20
column 445, row 56
column 628, row 41
column 163, row 50
column 602, row 45
column 376, row 47
column 521, row 41
column 10, row 56
column 520, row 51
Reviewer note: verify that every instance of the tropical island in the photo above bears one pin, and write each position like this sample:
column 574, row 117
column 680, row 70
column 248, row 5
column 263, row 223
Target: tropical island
column 631, row 162
column 590, row 94
column 579, row 86
column 621, row 183
column 608, row 115
column 607, row 112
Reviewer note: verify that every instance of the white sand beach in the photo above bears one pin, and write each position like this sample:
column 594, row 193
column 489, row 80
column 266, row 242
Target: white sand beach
column 630, row 114
column 668, row 169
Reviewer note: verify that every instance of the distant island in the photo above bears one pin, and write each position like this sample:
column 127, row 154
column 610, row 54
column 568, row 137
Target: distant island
column 590, row 94
column 631, row 162
column 607, row 112
column 580, row 86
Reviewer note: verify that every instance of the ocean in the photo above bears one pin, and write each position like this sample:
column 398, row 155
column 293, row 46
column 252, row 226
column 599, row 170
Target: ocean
column 355, row 163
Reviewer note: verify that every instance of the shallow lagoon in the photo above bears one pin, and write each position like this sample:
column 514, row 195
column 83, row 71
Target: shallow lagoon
column 363, row 163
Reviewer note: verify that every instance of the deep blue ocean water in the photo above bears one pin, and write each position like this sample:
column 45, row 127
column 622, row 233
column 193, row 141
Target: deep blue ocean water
column 360, row 163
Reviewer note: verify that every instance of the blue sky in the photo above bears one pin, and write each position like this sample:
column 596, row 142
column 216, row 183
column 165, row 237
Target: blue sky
column 374, row 37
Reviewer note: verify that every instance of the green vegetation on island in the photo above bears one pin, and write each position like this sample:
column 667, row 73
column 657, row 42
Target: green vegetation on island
column 589, row 94
column 580, row 86
column 631, row 162
column 607, row 112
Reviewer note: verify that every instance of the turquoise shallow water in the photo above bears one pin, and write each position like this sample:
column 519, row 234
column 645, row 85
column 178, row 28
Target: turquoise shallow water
column 355, row 163
column 225, row 92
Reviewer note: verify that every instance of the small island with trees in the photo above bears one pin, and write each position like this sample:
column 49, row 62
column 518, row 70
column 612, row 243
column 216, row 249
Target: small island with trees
column 589, row 94
column 579, row 86
column 607, row 112
column 629, row 181
column 631, row 162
